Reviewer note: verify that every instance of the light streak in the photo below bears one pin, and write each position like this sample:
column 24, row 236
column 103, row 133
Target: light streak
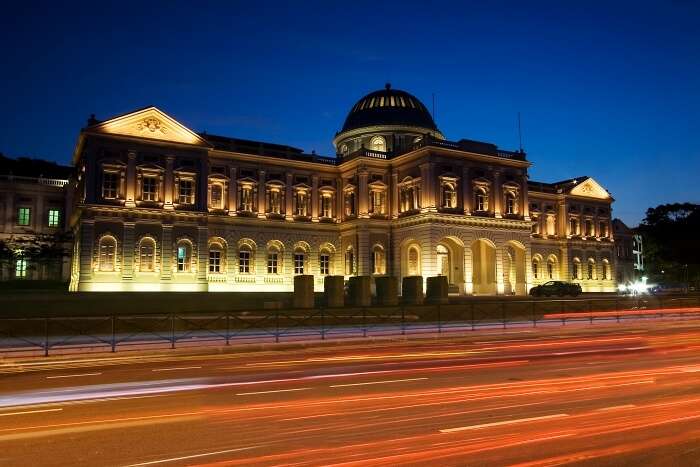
column 73, row 376
column 193, row 456
column 376, row 382
column 27, row 412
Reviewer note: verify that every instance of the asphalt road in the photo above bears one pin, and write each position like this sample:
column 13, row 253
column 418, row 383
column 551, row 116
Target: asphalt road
column 583, row 395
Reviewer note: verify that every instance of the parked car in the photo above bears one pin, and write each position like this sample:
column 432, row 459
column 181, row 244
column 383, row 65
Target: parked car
column 556, row 288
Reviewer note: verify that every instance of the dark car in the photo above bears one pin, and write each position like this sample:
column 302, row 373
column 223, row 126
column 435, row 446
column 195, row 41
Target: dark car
column 555, row 288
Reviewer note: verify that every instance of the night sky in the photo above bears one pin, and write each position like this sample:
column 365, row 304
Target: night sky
column 606, row 89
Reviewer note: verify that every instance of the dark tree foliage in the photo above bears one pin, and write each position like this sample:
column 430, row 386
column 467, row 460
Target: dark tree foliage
column 672, row 242
column 38, row 249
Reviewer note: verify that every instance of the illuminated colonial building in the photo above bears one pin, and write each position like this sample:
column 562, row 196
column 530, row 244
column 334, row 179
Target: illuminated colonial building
column 160, row 207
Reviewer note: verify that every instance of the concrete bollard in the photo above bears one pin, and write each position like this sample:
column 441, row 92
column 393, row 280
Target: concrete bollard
column 437, row 290
column 334, row 291
column 303, row 292
column 387, row 291
column 412, row 290
column 359, row 291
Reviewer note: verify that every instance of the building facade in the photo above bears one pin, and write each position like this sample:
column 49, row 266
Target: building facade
column 160, row 207
column 34, row 202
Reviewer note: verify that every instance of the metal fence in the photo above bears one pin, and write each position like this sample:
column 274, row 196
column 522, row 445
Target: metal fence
column 42, row 334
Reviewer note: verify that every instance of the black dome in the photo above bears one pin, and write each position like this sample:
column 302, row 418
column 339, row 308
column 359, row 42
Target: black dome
column 389, row 107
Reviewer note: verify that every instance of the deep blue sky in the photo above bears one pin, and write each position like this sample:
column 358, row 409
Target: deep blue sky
column 605, row 89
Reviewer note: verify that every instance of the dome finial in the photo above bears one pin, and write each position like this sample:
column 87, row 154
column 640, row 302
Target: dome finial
column 387, row 86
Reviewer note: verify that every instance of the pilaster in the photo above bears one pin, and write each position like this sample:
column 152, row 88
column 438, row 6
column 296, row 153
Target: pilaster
column 166, row 251
column 314, row 198
column 202, row 253
column 288, row 198
column 466, row 194
column 233, row 193
column 87, row 250
column 169, row 183
column 262, row 205
column 131, row 180
column 363, row 195
column 128, row 248
column 497, row 195
column 394, row 194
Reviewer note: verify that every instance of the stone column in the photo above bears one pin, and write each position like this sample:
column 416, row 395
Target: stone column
column 427, row 187
column 203, row 186
column 314, row 198
column 525, row 200
column 363, row 195
column 500, row 285
column 262, row 205
column 166, row 252
column 563, row 221
column 466, row 192
column 87, row 251
column 202, row 253
column 233, row 193
column 468, row 271
column 128, row 249
column 497, row 194
column 288, row 198
column 40, row 218
column 339, row 200
column 131, row 180
column 394, row 201
column 168, row 183
column 363, row 252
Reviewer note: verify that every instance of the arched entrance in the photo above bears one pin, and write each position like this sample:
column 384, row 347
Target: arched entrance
column 450, row 263
column 514, row 272
column 484, row 267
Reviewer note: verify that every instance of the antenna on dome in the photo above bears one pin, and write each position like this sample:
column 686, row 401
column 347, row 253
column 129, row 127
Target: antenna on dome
column 520, row 134
column 433, row 106
column 387, row 86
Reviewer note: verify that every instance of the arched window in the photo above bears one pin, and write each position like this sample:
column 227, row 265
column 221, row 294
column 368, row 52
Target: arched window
column 413, row 261
column 576, row 269
column 573, row 226
column 217, row 255
column 511, row 204
column 449, row 195
column 147, row 259
column 245, row 259
column 551, row 263
column 591, row 269
column 184, row 256
column 378, row 260
column 536, row 268
column 377, row 143
column 324, row 262
column 480, row 200
column 274, row 256
column 349, row 261
column 606, row 269
column 299, row 261
column 107, row 251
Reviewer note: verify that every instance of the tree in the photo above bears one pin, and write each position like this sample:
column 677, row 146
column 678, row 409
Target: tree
column 671, row 246
column 41, row 251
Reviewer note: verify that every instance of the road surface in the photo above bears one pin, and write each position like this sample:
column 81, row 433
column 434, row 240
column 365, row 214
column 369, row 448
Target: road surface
column 602, row 395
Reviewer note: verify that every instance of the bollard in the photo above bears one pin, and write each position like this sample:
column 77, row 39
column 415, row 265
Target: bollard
column 303, row 291
column 436, row 292
column 334, row 291
column 387, row 291
column 412, row 290
column 359, row 291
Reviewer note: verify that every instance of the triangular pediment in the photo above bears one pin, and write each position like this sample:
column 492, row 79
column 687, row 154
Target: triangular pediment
column 149, row 123
column 590, row 189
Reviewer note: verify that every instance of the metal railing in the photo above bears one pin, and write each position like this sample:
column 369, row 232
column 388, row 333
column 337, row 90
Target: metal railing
column 44, row 334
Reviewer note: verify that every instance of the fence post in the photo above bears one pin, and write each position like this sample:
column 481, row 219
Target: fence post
column 46, row 337
column 114, row 334
column 172, row 331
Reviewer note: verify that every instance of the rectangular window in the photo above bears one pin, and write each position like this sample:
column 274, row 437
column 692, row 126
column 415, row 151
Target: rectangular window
column 298, row 263
column 23, row 216
column 301, row 204
column 603, row 232
column 215, row 261
column 110, row 182
column 272, row 261
column 216, row 196
column 246, row 199
column 186, row 192
column 244, row 262
column 54, row 217
column 275, row 202
column 182, row 263
column 326, row 203
column 325, row 262
column 149, row 188
column 21, row 268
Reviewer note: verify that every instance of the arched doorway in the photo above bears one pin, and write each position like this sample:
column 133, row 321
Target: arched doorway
column 484, row 267
column 514, row 271
column 450, row 263
column 443, row 263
